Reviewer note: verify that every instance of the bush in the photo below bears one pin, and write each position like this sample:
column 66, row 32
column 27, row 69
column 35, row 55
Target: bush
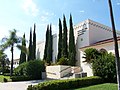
column 20, row 78
column 63, row 61
column 102, row 63
column 32, row 69
column 66, row 84
column 104, row 66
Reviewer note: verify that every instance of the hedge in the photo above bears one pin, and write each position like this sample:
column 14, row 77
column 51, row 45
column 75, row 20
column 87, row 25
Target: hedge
column 20, row 78
column 67, row 84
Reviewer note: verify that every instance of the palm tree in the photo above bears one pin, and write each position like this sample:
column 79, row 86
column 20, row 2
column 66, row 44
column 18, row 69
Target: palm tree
column 90, row 55
column 11, row 41
column 115, row 44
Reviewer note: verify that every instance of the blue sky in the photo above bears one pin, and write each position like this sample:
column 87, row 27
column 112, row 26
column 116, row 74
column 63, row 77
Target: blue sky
column 22, row 14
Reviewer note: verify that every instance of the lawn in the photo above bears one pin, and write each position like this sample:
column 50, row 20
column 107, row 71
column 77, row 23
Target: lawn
column 106, row 86
column 2, row 77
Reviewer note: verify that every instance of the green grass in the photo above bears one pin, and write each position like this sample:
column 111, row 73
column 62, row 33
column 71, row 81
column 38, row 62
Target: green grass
column 106, row 86
column 2, row 77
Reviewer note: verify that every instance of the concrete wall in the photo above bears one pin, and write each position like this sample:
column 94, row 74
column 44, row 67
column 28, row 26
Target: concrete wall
column 40, row 49
column 55, row 40
column 98, row 32
column 58, row 71
column 81, row 38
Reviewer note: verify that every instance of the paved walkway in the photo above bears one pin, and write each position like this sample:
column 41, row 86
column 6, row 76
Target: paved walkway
column 18, row 85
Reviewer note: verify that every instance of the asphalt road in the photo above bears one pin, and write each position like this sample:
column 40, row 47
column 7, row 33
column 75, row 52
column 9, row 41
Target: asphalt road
column 18, row 85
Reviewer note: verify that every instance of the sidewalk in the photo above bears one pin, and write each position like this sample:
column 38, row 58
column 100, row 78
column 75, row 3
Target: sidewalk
column 18, row 85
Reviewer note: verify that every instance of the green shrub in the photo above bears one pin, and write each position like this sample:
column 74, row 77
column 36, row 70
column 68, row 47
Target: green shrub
column 31, row 69
column 66, row 84
column 102, row 63
column 63, row 61
column 104, row 66
column 34, row 69
column 20, row 78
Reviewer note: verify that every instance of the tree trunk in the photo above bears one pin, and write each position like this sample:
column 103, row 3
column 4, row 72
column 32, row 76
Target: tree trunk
column 115, row 45
column 11, row 70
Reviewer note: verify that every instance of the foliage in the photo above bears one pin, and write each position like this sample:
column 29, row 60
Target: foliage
column 2, row 78
column 60, row 41
column 63, row 61
column 34, row 42
column 65, row 46
column 49, row 48
column 23, row 54
column 20, row 78
column 32, row 69
column 30, row 55
column 106, row 86
column 4, row 62
column 46, row 43
column 104, row 66
column 90, row 55
column 11, row 41
column 72, row 50
column 66, row 84
column 21, row 69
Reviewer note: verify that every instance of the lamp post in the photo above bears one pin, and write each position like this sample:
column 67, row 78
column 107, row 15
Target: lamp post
column 115, row 44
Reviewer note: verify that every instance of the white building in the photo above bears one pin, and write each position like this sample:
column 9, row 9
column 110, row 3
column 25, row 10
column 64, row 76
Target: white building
column 88, row 34
column 41, row 45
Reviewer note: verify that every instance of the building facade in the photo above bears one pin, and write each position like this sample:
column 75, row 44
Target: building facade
column 88, row 34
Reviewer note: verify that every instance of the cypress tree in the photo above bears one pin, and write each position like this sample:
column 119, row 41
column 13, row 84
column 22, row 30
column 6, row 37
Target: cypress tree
column 30, row 55
column 60, row 41
column 46, row 43
column 51, row 43
column 65, row 46
column 34, row 42
column 23, row 55
column 72, row 50
column 49, row 48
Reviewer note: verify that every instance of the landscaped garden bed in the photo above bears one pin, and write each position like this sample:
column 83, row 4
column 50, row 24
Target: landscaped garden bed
column 66, row 84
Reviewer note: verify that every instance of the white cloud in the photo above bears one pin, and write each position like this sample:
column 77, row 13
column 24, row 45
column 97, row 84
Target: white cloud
column 118, row 3
column 46, row 16
column 82, row 11
column 30, row 7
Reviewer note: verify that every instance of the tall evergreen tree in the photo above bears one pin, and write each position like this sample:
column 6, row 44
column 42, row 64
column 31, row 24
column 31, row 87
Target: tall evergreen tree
column 49, row 48
column 65, row 46
column 30, row 55
column 46, row 43
column 51, row 43
column 60, row 41
column 34, row 42
column 72, row 50
column 23, row 54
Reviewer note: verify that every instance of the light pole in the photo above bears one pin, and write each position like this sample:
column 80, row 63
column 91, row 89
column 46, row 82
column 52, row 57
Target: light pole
column 115, row 44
